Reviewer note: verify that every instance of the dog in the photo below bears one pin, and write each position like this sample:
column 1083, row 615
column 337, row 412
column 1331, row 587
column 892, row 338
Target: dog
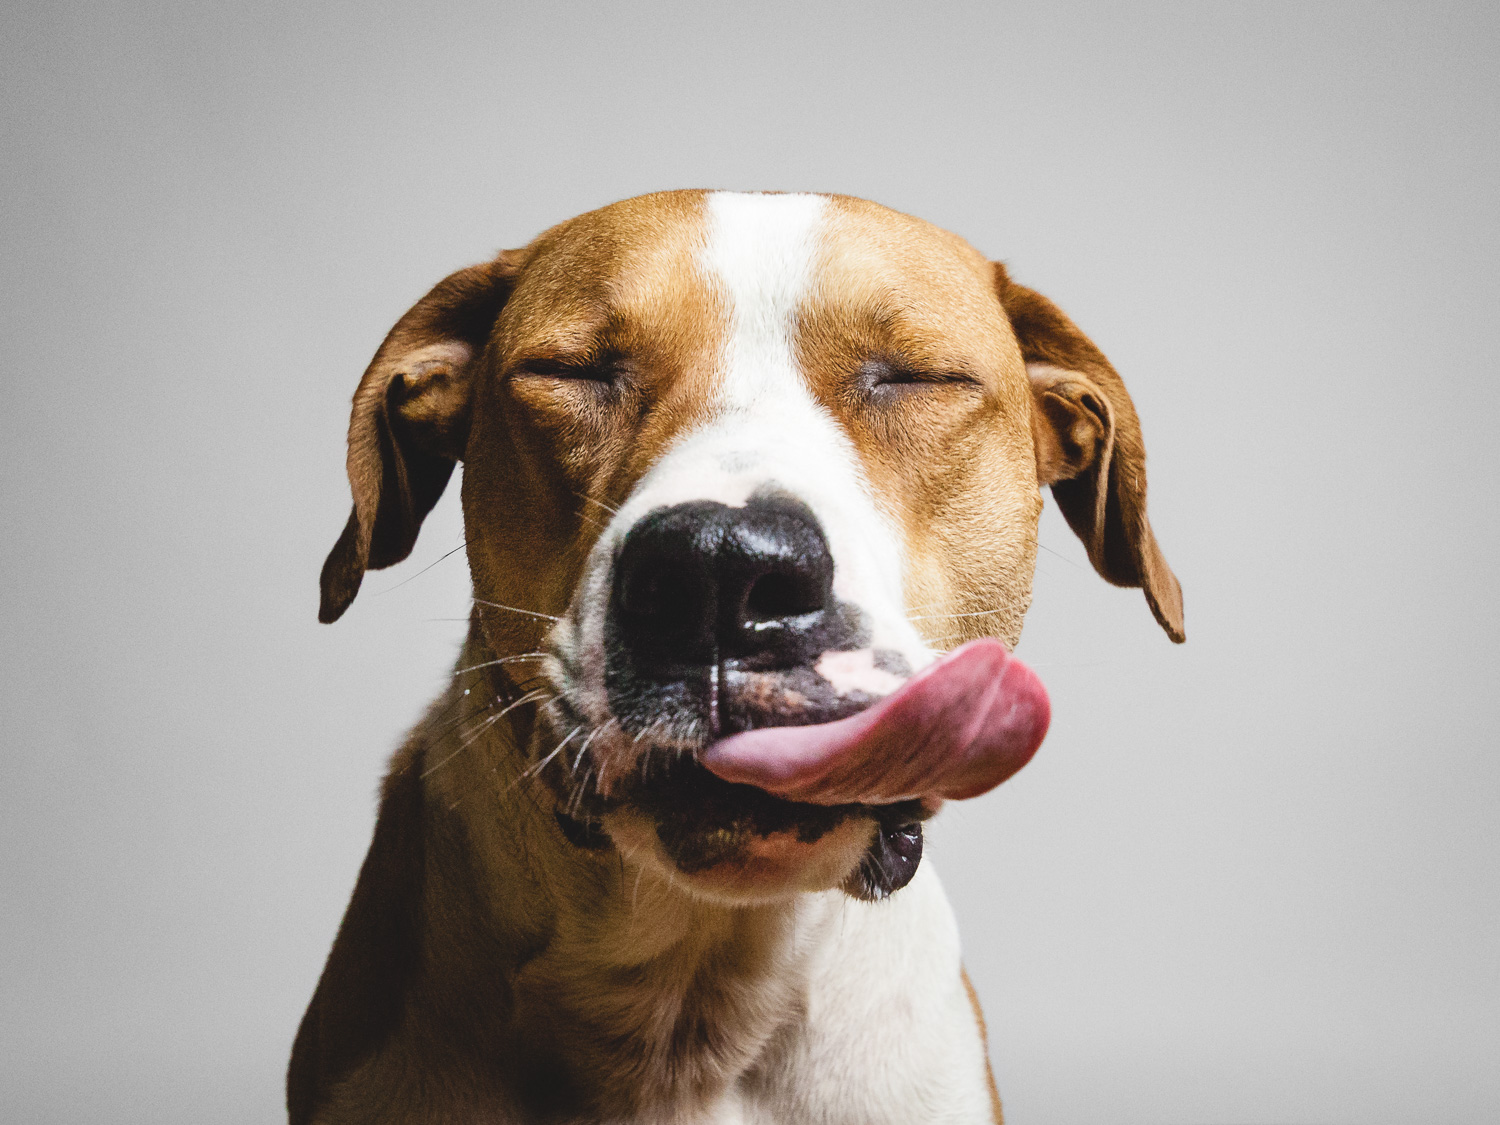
column 751, row 488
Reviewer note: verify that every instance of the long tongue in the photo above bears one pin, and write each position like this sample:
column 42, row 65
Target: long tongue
column 956, row 729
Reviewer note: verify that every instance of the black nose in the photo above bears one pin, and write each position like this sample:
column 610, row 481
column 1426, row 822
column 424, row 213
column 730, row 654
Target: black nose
column 701, row 582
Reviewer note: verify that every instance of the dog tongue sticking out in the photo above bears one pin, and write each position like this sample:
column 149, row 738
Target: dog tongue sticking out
column 956, row 729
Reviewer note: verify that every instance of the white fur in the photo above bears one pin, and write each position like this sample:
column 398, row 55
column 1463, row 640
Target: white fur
column 888, row 1036
column 764, row 430
column 887, row 1033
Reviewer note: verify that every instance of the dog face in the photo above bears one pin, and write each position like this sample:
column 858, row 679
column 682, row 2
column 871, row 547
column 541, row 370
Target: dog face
column 761, row 457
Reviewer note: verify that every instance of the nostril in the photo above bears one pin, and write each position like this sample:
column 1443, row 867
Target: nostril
column 778, row 594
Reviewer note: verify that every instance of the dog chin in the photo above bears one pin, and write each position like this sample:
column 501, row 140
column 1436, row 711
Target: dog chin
column 735, row 843
column 738, row 866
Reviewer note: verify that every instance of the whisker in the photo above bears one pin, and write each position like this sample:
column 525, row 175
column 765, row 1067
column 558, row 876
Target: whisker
column 455, row 702
column 514, row 609
column 520, row 656
column 578, row 791
column 945, row 616
column 595, row 733
column 523, row 686
column 1062, row 556
column 646, row 757
column 529, row 697
column 925, row 605
column 644, row 731
column 423, row 571
column 532, row 771
column 610, row 508
column 451, row 725
column 493, row 719
column 464, row 745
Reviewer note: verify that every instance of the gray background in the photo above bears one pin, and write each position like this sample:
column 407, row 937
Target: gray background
column 1251, row 879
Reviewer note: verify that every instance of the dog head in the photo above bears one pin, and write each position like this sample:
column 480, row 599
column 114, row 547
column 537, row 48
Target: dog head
column 740, row 462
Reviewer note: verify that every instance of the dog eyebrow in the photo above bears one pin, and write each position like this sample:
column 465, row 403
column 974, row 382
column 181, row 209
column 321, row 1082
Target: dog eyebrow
column 895, row 335
column 543, row 360
column 587, row 341
column 918, row 337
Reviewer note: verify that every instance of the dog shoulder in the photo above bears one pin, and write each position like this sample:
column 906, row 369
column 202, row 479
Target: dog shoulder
column 362, row 994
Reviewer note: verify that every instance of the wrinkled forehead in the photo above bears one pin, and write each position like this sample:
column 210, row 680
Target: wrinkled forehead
column 676, row 272
column 627, row 273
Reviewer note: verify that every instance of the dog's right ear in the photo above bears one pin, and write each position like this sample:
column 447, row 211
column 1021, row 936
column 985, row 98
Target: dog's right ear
column 411, row 421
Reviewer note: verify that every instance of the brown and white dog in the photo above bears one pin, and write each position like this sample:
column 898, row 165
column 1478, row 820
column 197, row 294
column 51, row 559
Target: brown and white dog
column 739, row 469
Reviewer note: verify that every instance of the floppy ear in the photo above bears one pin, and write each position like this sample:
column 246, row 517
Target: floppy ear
column 410, row 423
column 1089, row 449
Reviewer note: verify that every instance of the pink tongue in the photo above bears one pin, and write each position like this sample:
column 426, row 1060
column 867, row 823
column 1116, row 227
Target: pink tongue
column 956, row 729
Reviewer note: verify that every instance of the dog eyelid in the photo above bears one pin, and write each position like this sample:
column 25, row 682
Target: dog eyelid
column 580, row 368
column 885, row 372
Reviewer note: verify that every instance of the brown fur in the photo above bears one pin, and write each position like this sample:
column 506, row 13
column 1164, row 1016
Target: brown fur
column 467, row 980
column 955, row 469
column 1104, row 494
column 984, row 1035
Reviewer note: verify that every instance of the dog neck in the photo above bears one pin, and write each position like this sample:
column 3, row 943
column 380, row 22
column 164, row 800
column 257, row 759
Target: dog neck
column 624, row 988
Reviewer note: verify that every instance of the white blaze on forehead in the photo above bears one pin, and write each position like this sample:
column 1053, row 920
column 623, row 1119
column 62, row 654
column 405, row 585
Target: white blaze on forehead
column 765, row 430
column 760, row 250
column 763, row 425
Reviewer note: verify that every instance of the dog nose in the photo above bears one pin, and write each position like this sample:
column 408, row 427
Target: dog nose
column 701, row 582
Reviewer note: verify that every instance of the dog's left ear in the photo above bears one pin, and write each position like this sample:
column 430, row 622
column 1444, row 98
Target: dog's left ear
column 411, row 421
column 1089, row 449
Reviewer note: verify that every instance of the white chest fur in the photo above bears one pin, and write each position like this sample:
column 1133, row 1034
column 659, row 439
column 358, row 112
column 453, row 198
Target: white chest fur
column 888, row 1034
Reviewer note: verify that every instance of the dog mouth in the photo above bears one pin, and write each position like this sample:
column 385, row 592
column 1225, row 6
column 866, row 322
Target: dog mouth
column 954, row 730
column 703, row 822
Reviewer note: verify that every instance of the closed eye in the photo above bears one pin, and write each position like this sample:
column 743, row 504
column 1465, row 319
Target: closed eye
column 877, row 373
column 580, row 370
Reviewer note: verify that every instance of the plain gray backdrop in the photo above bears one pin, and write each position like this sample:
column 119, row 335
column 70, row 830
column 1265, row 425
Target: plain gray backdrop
column 1253, row 879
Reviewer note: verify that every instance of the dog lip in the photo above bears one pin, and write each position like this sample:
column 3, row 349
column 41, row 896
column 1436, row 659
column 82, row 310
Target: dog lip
column 703, row 820
column 955, row 730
